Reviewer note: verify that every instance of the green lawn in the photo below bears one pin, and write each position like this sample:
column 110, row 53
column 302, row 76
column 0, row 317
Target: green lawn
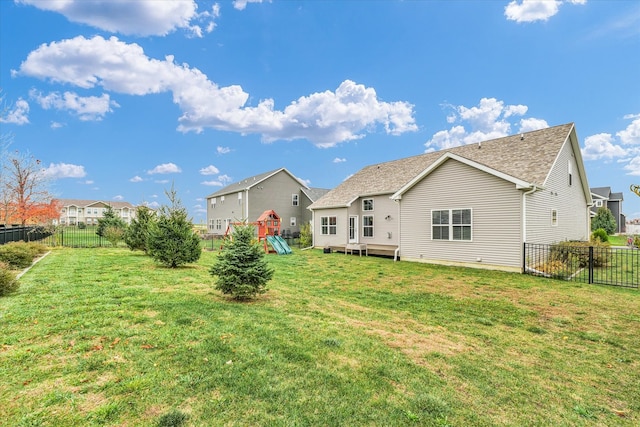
column 106, row 337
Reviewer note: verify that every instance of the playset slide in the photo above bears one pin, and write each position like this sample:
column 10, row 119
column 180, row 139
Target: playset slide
column 279, row 245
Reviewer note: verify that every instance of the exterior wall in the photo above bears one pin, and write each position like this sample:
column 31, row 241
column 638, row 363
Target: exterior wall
column 496, row 218
column 90, row 214
column 614, row 207
column 569, row 201
column 274, row 193
column 341, row 236
column 305, row 215
column 385, row 231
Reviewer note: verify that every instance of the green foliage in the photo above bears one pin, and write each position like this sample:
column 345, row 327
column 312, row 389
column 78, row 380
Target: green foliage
column 17, row 255
column 174, row 418
column 575, row 255
column 604, row 219
column 241, row 269
column 114, row 234
column 600, row 234
column 109, row 219
column 82, row 225
column 172, row 241
column 636, row 241
column 138, row 232
column 8, row 281
column 306, row 236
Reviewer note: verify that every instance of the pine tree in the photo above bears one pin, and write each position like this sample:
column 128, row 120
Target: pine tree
column 241, row 269
column 172, row 241
column 604, row 219
column 109, row 219
column 138, row 231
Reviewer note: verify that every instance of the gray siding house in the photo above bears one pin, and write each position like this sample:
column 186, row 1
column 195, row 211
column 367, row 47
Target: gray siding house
column 473, row 205
column 604, row 197
column 246, row 200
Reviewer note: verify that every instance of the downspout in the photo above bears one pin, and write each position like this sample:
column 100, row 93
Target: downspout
column 395, row 253
column 245, row 217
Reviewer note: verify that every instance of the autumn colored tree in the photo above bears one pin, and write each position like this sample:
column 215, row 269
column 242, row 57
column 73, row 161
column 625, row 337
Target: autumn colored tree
column 24, row 190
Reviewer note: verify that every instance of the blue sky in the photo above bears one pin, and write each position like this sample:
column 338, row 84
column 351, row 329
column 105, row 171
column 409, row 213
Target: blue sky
column 122, row 99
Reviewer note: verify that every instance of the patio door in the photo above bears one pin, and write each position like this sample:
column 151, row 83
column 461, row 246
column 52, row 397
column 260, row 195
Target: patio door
column 353, row 229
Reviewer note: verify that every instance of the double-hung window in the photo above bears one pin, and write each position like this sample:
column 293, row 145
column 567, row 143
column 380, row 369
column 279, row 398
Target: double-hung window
column 294, row 200
column 367, row 225
column 328, row 225
column 451, row 224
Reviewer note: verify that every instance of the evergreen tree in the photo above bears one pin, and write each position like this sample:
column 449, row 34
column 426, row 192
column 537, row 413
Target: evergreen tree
column 604, row 219
column 109, row 219
column 171, row 240
column 241, row 269
column 138, row 231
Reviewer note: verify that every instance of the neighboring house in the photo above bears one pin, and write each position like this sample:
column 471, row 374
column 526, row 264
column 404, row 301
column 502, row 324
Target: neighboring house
column 278, row 190
column 472, row 205
column 603, row 197
column 74, row 211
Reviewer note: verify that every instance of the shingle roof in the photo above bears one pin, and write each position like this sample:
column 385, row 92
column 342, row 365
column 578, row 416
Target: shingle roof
column 527, row 157
column 250, row 182
column 315, row 193
column 84, row 203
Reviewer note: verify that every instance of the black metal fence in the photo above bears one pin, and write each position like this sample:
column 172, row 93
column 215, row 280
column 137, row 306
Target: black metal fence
column 24, row 233
column 602, row 265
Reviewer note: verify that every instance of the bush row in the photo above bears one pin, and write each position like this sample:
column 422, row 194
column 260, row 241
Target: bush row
column 16, row 256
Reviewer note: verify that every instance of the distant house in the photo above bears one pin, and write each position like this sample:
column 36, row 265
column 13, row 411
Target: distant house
column 278, row 190
column 473, row 205
column 76, row 211
column 604, row 197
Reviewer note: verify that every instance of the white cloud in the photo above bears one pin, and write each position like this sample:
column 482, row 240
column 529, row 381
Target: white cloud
column 140, row 17
column 601, row 146
column 242, row 4
column 220, row 182
column 136, row 179
column 633, row 166
column 57, row 125
column 165, row 168
column 631, row 135
column 209, row 170
column 485, row 121
column 223, row 150
column 118, row 198
column 18, row 115
column 64, row 170
column 339, row 160
column 325, row 118
column 87, row 108
column 88, row 182
column 212, row 183
column 535, row 10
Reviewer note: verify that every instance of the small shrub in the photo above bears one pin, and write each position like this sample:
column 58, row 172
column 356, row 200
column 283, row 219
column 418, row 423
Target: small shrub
column 113, row 234
column 636, row 241
column 306, row 236
column 576, row 254
column 173, row 419
column 600, row 234
column 82, row 225
column 17, row 255
column 8, row 281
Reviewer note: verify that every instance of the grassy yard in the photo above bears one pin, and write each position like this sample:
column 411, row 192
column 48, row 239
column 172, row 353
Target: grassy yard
column 106, row 337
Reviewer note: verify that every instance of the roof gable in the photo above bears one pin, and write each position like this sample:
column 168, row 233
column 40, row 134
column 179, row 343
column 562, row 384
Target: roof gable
column 525, row 159
column 252, row 181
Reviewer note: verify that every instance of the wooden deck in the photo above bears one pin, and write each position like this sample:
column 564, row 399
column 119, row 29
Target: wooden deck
column 366, row 249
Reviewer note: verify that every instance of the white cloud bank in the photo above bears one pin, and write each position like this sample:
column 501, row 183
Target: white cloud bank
column 165, row 168
column 325, row 118
column 535, row 10
column 140, row 17
column 487, row 120
column 86, row 108
column 18, row 115
column 625, row 146
column 64, row 170
column 242, row 4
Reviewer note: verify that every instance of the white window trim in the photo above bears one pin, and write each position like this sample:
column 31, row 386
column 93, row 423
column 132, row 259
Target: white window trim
column 450, row 225
column 554, row 217
column 328, row 226
column 363, row 205
column 295, row 200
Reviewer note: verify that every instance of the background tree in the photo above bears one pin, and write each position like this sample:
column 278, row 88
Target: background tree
column 172, row 241
column 138, row 231
column 604, row 219
column 306, row 236
column 241, row 269
column 24, row 189
column 109, row 219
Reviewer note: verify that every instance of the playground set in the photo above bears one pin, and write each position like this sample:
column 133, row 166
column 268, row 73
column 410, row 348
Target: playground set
column 268, row 227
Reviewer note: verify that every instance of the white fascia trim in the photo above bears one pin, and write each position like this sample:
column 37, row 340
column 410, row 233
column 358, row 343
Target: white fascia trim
column 520, row 184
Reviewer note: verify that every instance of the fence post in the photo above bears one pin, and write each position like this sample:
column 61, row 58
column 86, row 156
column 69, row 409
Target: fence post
column 591, row 265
